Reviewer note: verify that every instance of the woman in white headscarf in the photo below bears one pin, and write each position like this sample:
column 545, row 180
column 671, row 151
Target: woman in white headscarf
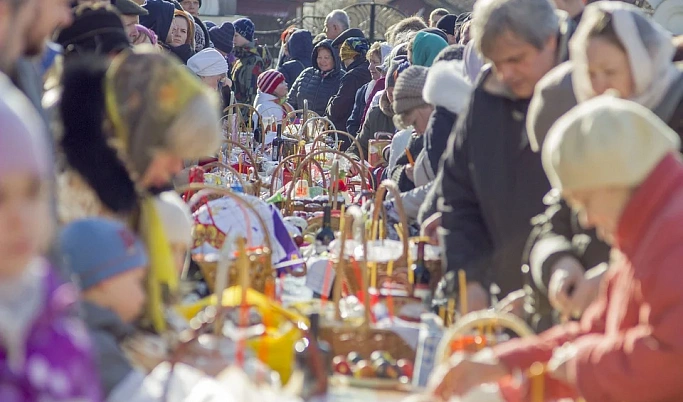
column 617, row 47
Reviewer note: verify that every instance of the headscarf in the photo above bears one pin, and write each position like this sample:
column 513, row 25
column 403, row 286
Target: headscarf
column 154, row 102
column 648, row 47
column 354, row 47
column 426, row 47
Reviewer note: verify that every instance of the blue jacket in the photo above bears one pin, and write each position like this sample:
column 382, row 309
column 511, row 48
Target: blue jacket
column 354, row 122
column 314, row 86
column 300, row 46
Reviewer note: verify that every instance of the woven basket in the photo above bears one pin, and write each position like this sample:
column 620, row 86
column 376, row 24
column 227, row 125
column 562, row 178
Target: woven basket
column 363, row 338
column 260, row 264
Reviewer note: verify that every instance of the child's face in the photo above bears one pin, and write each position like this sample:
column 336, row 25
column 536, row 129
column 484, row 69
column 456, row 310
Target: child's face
column 124, row 294
column 25, row 221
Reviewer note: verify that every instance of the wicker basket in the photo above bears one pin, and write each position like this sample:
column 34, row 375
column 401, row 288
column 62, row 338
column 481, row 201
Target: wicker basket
column 363, row 338
column 286, row 164
column 260, row 264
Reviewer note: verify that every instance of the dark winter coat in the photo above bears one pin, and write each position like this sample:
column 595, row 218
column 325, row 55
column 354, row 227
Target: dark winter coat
column 300, row 46
column 491, row 187
column 379, row 119
column 340, row 106
column 315, row 86
column 353, row 124
column 160, row 17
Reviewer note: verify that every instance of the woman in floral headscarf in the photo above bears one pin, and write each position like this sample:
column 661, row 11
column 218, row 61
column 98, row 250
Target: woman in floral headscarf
column 125, row 143
column 353, row 54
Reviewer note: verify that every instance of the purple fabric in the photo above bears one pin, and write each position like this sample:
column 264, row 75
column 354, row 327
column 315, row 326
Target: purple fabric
column 59, row 366
column 283, row 237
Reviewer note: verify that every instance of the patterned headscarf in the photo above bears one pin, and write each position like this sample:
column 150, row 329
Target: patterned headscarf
column 155, row 103
column 354, row 47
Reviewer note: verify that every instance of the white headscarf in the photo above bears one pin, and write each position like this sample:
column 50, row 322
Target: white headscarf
column 208, row 63
column 648, row 46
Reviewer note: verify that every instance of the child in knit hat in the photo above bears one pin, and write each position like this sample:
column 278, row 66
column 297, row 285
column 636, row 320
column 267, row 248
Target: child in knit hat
column 45, row 353
column 271, row 100
column 109, row 263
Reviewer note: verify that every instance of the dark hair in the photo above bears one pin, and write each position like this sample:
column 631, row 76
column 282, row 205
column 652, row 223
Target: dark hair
column 604, row 29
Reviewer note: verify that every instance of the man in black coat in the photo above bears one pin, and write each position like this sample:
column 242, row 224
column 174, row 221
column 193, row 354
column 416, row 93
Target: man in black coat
column 492, row 182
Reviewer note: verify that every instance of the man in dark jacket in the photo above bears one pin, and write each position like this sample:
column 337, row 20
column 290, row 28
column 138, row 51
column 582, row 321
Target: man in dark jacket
column 318, row 83
column 492, row 182
column 352, row 54
column 299, row 50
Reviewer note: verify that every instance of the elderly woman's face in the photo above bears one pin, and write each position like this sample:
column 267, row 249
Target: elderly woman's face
column 179, row 32
column 213, row 81
column 609, row 68
column 325, row 60
column 600, row 209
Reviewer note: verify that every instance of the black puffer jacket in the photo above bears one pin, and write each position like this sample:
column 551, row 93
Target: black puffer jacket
column 341, row 105
column 314, row 85
column 300, row 46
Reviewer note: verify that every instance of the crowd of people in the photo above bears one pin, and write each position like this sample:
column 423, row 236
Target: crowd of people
column 536, row 142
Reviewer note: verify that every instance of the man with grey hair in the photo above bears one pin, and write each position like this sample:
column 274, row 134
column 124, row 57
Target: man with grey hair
column 336, row 22
column 492, row 182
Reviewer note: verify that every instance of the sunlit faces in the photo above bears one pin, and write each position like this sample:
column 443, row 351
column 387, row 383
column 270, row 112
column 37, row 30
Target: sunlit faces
column 609, row 68
column 161, row 170
column 191, row 6
column 179, row 31
column 124, row 294
column 325, row 60
column 25, row 222
column 519, row 65
column 332, row 29
column 375, row 62
column 129, row 22
column 239, row 40
column 281, row 90
column 600, row 209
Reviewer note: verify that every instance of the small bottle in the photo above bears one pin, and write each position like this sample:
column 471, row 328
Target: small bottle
column 325, row 235
column 421, row 274
column 277, row 144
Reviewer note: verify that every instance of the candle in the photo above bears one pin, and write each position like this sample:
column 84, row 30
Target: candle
column 410, row 157
column 462, row 281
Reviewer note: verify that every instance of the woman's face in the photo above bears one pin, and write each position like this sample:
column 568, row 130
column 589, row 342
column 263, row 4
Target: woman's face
column 161, row 170
column 325, row 60
column 191, row 6
column 418, row 118
column 179, row 32
column 25, row 222
column 374, row 63
column 609, row 68
column 212, row 81
column 600, row 209
column 281, row 90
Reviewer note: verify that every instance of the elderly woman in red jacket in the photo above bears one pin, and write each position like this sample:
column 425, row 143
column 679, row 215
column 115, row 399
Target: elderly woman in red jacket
column 618, row 165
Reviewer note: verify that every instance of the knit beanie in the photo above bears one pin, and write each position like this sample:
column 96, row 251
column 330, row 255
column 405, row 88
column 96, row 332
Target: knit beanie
column 408, row 90
column 269, row 80
column 245, row 27
column 426, row 47
column 175, row 217
column 148, row 33
column 447, row 24
column 208, row 63
column 605, row 142
column 23, row 145
column 223, row 37
column 97, row 249
column 396, row 67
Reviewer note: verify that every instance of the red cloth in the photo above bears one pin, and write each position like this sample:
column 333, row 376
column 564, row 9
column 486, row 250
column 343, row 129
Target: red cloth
column 630, row 340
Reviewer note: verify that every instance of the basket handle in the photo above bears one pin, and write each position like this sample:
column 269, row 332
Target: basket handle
column 392, row 187
column 221, row 165
column 311, row 156
column 337, row 133
column 249, row 154
column 303, row 130
column 282, row 165
column 236, row 109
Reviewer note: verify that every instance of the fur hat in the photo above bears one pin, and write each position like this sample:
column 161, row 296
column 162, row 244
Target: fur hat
column 606, row 142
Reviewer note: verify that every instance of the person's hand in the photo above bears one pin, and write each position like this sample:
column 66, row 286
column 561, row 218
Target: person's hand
column 477, row 297
column 410, row 172
column 458, row 379
column 513, row 303
column 567, row 275
column 429, row 228
column 587, row 290
column 557, row 365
